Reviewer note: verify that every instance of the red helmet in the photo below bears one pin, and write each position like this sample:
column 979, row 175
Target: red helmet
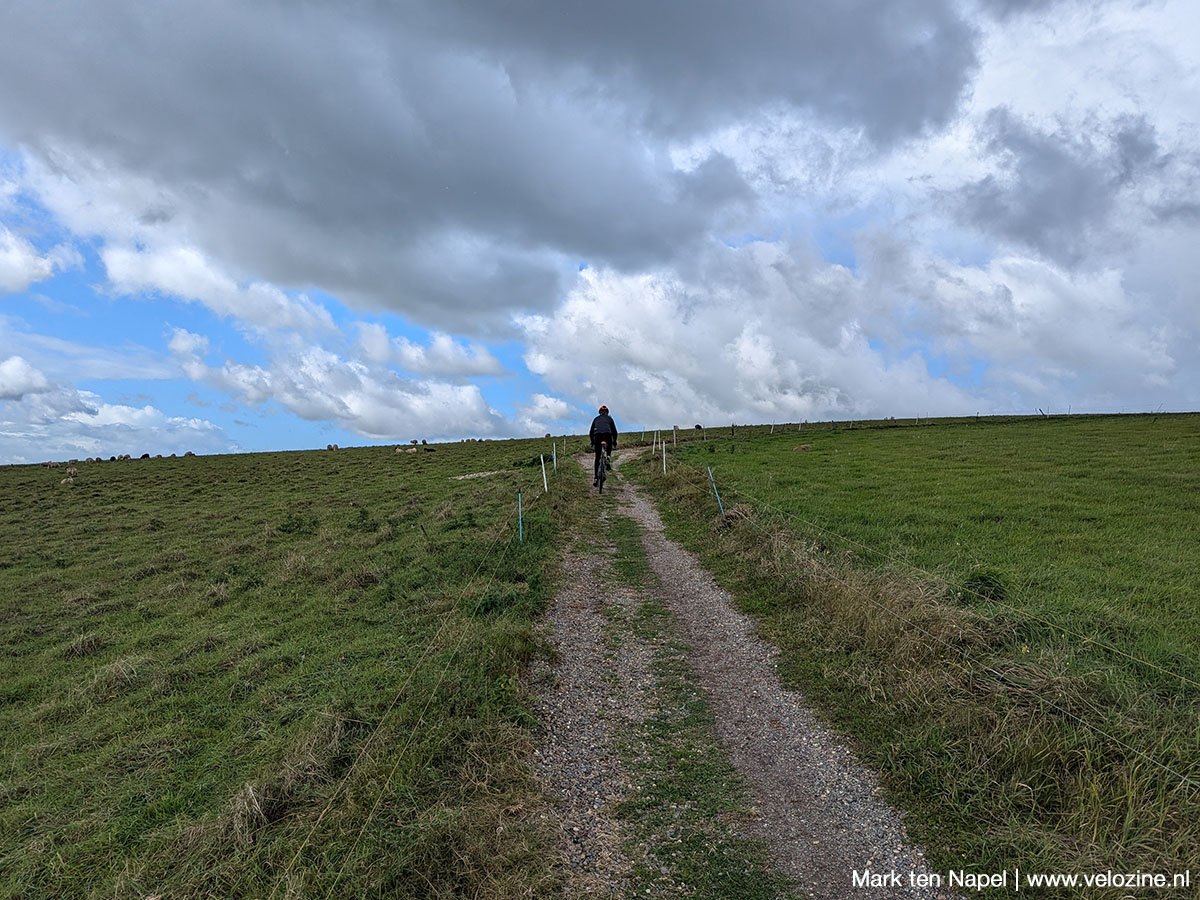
column 603, row 409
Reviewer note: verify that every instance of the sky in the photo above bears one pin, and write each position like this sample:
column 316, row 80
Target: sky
column 230, row 226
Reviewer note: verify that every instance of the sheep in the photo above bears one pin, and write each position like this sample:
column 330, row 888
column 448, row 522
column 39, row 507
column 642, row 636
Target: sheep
column 67, row 480
column 71, row 470
column 189, row 453
column 145, row 456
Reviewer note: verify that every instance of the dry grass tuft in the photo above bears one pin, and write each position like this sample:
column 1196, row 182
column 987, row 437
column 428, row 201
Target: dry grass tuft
column 146, row 570
column 252, row 808
column 262, row 802
column 296, row 568
column 81, row 599
column 217, row 594
column 85, row 644
column 358, row 578
column 736, row 515
column 118, row 677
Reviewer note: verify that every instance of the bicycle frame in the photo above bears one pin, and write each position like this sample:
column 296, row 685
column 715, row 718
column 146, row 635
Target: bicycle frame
column 601, row 472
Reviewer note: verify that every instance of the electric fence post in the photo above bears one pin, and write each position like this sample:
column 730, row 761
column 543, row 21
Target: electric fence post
column 720, row 505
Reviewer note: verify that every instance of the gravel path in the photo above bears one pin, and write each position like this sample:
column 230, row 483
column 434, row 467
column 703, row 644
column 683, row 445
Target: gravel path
column 586, row 696
column 820, row 811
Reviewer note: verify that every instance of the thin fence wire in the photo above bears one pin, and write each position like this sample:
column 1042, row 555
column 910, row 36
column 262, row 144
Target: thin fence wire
column 425, row 653
column 412, row 734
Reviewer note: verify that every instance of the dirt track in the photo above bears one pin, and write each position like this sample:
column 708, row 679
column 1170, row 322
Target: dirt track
column 819, row 812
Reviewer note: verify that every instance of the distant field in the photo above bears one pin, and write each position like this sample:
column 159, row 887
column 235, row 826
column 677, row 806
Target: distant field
column 1005, row 613
column 270, row 675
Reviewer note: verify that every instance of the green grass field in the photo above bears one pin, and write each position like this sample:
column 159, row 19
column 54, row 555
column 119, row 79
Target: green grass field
column 291, row 674
column 299, row 674
column 1002, row 613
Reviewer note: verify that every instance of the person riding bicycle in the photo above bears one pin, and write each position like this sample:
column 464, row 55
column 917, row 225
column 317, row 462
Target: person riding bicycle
column 604, row 430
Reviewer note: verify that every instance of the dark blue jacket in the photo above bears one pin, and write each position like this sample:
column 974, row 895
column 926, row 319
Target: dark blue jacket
column 603, row 425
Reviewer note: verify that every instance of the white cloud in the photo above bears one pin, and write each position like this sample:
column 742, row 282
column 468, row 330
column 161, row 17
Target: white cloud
column 63, row 422
column 760, row 335
column 317, row 384
column 374, row 342
column 446, row 357
column 187, row 343
column 21, row 265
column 443, row 356
column 541, row 413
column 765, row 333
column 18, row 378
column 185, row 273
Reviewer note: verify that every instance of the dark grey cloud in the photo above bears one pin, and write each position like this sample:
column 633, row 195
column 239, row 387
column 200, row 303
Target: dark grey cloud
column 684, row 66
column 1004, row 9
column 1059, row 191
column 448, row 160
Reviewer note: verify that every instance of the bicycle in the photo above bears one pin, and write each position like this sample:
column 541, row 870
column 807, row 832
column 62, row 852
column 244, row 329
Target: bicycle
column 603, row 466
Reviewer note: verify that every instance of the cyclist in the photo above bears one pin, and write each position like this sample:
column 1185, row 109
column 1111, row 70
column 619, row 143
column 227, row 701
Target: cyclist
column 604, row 430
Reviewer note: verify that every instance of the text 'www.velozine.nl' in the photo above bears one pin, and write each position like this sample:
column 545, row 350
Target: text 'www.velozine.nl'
column 1017, row 881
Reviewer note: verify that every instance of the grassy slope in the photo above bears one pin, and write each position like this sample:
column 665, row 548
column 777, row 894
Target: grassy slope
column 200, row 658
column 1013, row 742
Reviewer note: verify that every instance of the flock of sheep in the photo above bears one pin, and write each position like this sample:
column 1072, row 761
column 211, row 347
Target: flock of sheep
column 72, row 471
